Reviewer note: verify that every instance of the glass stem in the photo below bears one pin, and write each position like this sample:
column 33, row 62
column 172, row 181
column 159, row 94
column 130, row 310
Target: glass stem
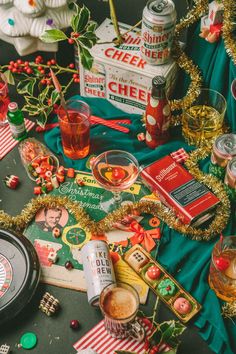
column 117, row 197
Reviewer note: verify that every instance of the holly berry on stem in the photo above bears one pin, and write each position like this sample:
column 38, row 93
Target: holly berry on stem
column 71, row 41
column 74, row 324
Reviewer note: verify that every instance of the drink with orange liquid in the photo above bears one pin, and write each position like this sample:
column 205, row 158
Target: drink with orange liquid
column 222, row 277
column 75, row 129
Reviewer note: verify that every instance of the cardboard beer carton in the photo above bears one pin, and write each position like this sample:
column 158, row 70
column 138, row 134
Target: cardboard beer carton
column 119, row 73
column 192, row 202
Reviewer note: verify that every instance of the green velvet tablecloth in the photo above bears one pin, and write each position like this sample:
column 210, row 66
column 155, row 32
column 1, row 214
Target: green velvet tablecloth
column 187, row 260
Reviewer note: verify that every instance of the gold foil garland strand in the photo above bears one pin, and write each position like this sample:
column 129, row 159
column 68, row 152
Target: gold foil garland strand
column 228, row 27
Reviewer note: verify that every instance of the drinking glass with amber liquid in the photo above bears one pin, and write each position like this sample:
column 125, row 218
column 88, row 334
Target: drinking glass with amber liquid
column 204, row 120
column 75, row 128
column 222, row 276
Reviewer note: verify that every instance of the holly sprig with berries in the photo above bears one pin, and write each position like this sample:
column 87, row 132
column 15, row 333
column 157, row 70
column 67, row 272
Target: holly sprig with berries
column 162, row 338
column 33, row 79
column 83, row 35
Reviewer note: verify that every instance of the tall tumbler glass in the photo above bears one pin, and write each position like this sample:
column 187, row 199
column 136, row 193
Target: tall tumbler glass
column 75, row 128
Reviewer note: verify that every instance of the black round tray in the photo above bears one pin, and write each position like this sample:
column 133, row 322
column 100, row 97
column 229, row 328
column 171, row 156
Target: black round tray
column 19, row 273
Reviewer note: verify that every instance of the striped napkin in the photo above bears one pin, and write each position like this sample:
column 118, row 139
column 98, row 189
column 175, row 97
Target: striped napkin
column 7, row 143
column 102, row 343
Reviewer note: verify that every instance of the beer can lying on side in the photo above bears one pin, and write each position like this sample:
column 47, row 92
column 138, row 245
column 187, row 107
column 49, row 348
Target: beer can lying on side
column 98, row 269
column 158, row 26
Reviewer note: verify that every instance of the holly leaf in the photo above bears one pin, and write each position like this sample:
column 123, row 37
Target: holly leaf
column 75, row 18
column 85, row 42
column 26, row 86
column 170, row 330
column 54, row 96
column 43, row 94
column 91, row 27
column 53, row 35
column 86, row 58
column 9, row 77
column 83, row 19
column 32, row 101
column 32, row 111
column 43, row 117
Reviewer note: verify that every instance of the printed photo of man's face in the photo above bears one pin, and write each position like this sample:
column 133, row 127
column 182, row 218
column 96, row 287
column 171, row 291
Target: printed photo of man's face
column 52, row 217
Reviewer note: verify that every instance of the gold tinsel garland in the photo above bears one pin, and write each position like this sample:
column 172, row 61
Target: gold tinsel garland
column 200, row 7
column 229, row 309
column 19, row 222
column 228, row 27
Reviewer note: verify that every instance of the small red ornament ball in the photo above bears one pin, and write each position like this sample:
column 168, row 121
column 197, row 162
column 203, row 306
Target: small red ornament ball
column 74, row 324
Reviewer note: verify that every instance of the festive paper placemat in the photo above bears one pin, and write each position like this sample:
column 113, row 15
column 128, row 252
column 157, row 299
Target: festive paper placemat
column 68, row 246
column 102, row 343
column 7, row 143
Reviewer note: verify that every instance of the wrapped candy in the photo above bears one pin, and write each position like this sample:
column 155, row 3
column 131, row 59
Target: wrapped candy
column 11, row 181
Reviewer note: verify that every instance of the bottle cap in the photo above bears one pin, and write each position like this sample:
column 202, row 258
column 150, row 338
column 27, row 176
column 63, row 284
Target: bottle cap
column 13, row 106
column 159, row 82
column 28, row 340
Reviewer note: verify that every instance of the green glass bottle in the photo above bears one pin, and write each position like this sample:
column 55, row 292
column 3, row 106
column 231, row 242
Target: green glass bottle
column 16, row 121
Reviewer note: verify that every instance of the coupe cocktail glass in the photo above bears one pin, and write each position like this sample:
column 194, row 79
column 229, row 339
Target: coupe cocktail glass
column 115, row 171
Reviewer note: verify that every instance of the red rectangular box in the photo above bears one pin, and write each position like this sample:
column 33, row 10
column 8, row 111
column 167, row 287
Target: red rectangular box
column 192, row 202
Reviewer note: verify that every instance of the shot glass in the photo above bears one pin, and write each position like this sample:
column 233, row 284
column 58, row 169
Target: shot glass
column 204, row 120
column 222, row 276
column 119, row 303
column 4, row 100
column 75, row 128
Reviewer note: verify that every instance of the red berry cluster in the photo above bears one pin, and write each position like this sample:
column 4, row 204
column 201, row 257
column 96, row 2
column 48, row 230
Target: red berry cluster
column 20, row 66
column 73, row 36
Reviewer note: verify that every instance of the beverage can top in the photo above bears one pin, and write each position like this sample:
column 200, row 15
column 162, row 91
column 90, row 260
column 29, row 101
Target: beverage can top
column 13, row 107
column 161, row 7
column 232, row 167
column 159, row 82
column 226, row 144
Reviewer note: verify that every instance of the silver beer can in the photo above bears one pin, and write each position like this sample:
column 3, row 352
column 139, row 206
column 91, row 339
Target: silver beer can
column 98, row 269
column 158, row 26
column 230, row 176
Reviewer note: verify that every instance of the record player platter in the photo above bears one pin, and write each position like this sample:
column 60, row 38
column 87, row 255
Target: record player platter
column 19, row 273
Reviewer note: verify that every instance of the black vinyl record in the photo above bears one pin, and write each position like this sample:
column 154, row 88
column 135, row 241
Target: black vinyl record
column 19, row 273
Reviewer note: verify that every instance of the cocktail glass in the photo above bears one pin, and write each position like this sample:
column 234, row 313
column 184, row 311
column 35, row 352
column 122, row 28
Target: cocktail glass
column 4, row 100
column 222, row 276
column 115, row 171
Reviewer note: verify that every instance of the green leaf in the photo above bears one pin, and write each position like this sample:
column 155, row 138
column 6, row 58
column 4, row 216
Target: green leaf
column 32, row 101
column 91, row 36
column 43, row 94
column 92, row 26
column 83, row 19
column 9, row 77
column 85, row 42
column 26, row 86
column 42, row 119
column 32, row 111
column 86, row 58
column 54, row 96
column 53, row 35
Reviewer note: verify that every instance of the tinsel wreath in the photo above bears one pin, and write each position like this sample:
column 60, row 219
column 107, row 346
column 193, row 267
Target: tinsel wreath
column 19, row 222
column 228, row 27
